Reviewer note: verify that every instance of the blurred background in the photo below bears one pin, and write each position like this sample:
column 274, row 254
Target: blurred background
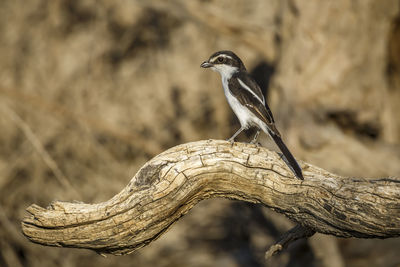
column 91, row 90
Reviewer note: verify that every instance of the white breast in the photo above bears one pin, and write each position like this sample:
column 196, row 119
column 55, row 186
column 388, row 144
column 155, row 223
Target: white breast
column 246, row 117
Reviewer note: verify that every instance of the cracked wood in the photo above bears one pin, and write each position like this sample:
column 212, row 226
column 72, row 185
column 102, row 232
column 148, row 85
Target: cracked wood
column 170, row 184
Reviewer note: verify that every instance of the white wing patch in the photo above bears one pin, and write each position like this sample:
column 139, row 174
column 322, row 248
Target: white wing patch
column 262, row 100
column 245, row 116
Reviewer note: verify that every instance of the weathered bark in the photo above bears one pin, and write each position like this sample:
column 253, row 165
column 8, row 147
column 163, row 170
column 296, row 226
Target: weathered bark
column 170, row 184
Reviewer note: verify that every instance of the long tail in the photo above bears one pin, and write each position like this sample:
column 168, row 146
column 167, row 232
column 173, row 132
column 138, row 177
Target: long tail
column 287, row 156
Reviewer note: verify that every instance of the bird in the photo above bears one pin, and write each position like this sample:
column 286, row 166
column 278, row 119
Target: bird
column 248, row 103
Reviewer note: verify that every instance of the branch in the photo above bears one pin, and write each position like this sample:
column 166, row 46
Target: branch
column 296, row 233
column 170, row 184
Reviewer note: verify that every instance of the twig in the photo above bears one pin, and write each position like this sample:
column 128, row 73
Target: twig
column 49, row 161
column 296, row 233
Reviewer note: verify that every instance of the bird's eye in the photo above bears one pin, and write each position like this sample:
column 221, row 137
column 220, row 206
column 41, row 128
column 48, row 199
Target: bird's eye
column 220, row 59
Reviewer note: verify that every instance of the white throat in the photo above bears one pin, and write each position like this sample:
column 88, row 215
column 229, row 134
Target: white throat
column 225, row 71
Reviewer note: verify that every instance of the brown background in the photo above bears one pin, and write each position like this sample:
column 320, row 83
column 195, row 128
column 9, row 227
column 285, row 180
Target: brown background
column 90, row 90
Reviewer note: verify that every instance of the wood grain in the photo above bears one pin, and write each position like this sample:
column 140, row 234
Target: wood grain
column 170, row 184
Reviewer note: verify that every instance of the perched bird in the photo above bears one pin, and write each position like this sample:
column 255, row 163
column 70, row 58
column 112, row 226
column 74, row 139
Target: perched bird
column 247, row 102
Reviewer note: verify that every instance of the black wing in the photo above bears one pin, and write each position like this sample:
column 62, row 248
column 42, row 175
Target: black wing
column 252, row 84
column 250, row 97
column 253, row 101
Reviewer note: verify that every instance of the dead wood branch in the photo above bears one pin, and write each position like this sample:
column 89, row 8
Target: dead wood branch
column 296, row 233
column 170, row 184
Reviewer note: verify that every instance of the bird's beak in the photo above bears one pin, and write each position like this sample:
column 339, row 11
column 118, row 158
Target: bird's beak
column 206, row 64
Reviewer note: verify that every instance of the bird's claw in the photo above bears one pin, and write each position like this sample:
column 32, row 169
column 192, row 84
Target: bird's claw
column 255, row 143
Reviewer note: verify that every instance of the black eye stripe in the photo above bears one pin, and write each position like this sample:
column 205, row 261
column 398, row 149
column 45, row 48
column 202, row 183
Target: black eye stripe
column 222, row 59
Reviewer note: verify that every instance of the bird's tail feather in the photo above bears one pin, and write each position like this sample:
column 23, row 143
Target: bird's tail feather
column 287, row 156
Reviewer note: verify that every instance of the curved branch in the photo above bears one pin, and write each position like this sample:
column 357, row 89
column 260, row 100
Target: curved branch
column 170, row 184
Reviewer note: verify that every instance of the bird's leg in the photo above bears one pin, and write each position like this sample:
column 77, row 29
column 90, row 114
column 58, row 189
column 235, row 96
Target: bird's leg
column 254, row 141
column 232, row 139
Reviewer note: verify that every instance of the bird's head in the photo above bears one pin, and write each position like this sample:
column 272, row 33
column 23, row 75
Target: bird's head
column 224, row 62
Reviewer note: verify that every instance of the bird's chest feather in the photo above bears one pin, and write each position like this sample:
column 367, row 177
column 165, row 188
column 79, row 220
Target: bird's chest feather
column 245, row 117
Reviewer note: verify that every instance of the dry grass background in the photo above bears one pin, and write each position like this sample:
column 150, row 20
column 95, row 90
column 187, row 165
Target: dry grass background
column 90, row 90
